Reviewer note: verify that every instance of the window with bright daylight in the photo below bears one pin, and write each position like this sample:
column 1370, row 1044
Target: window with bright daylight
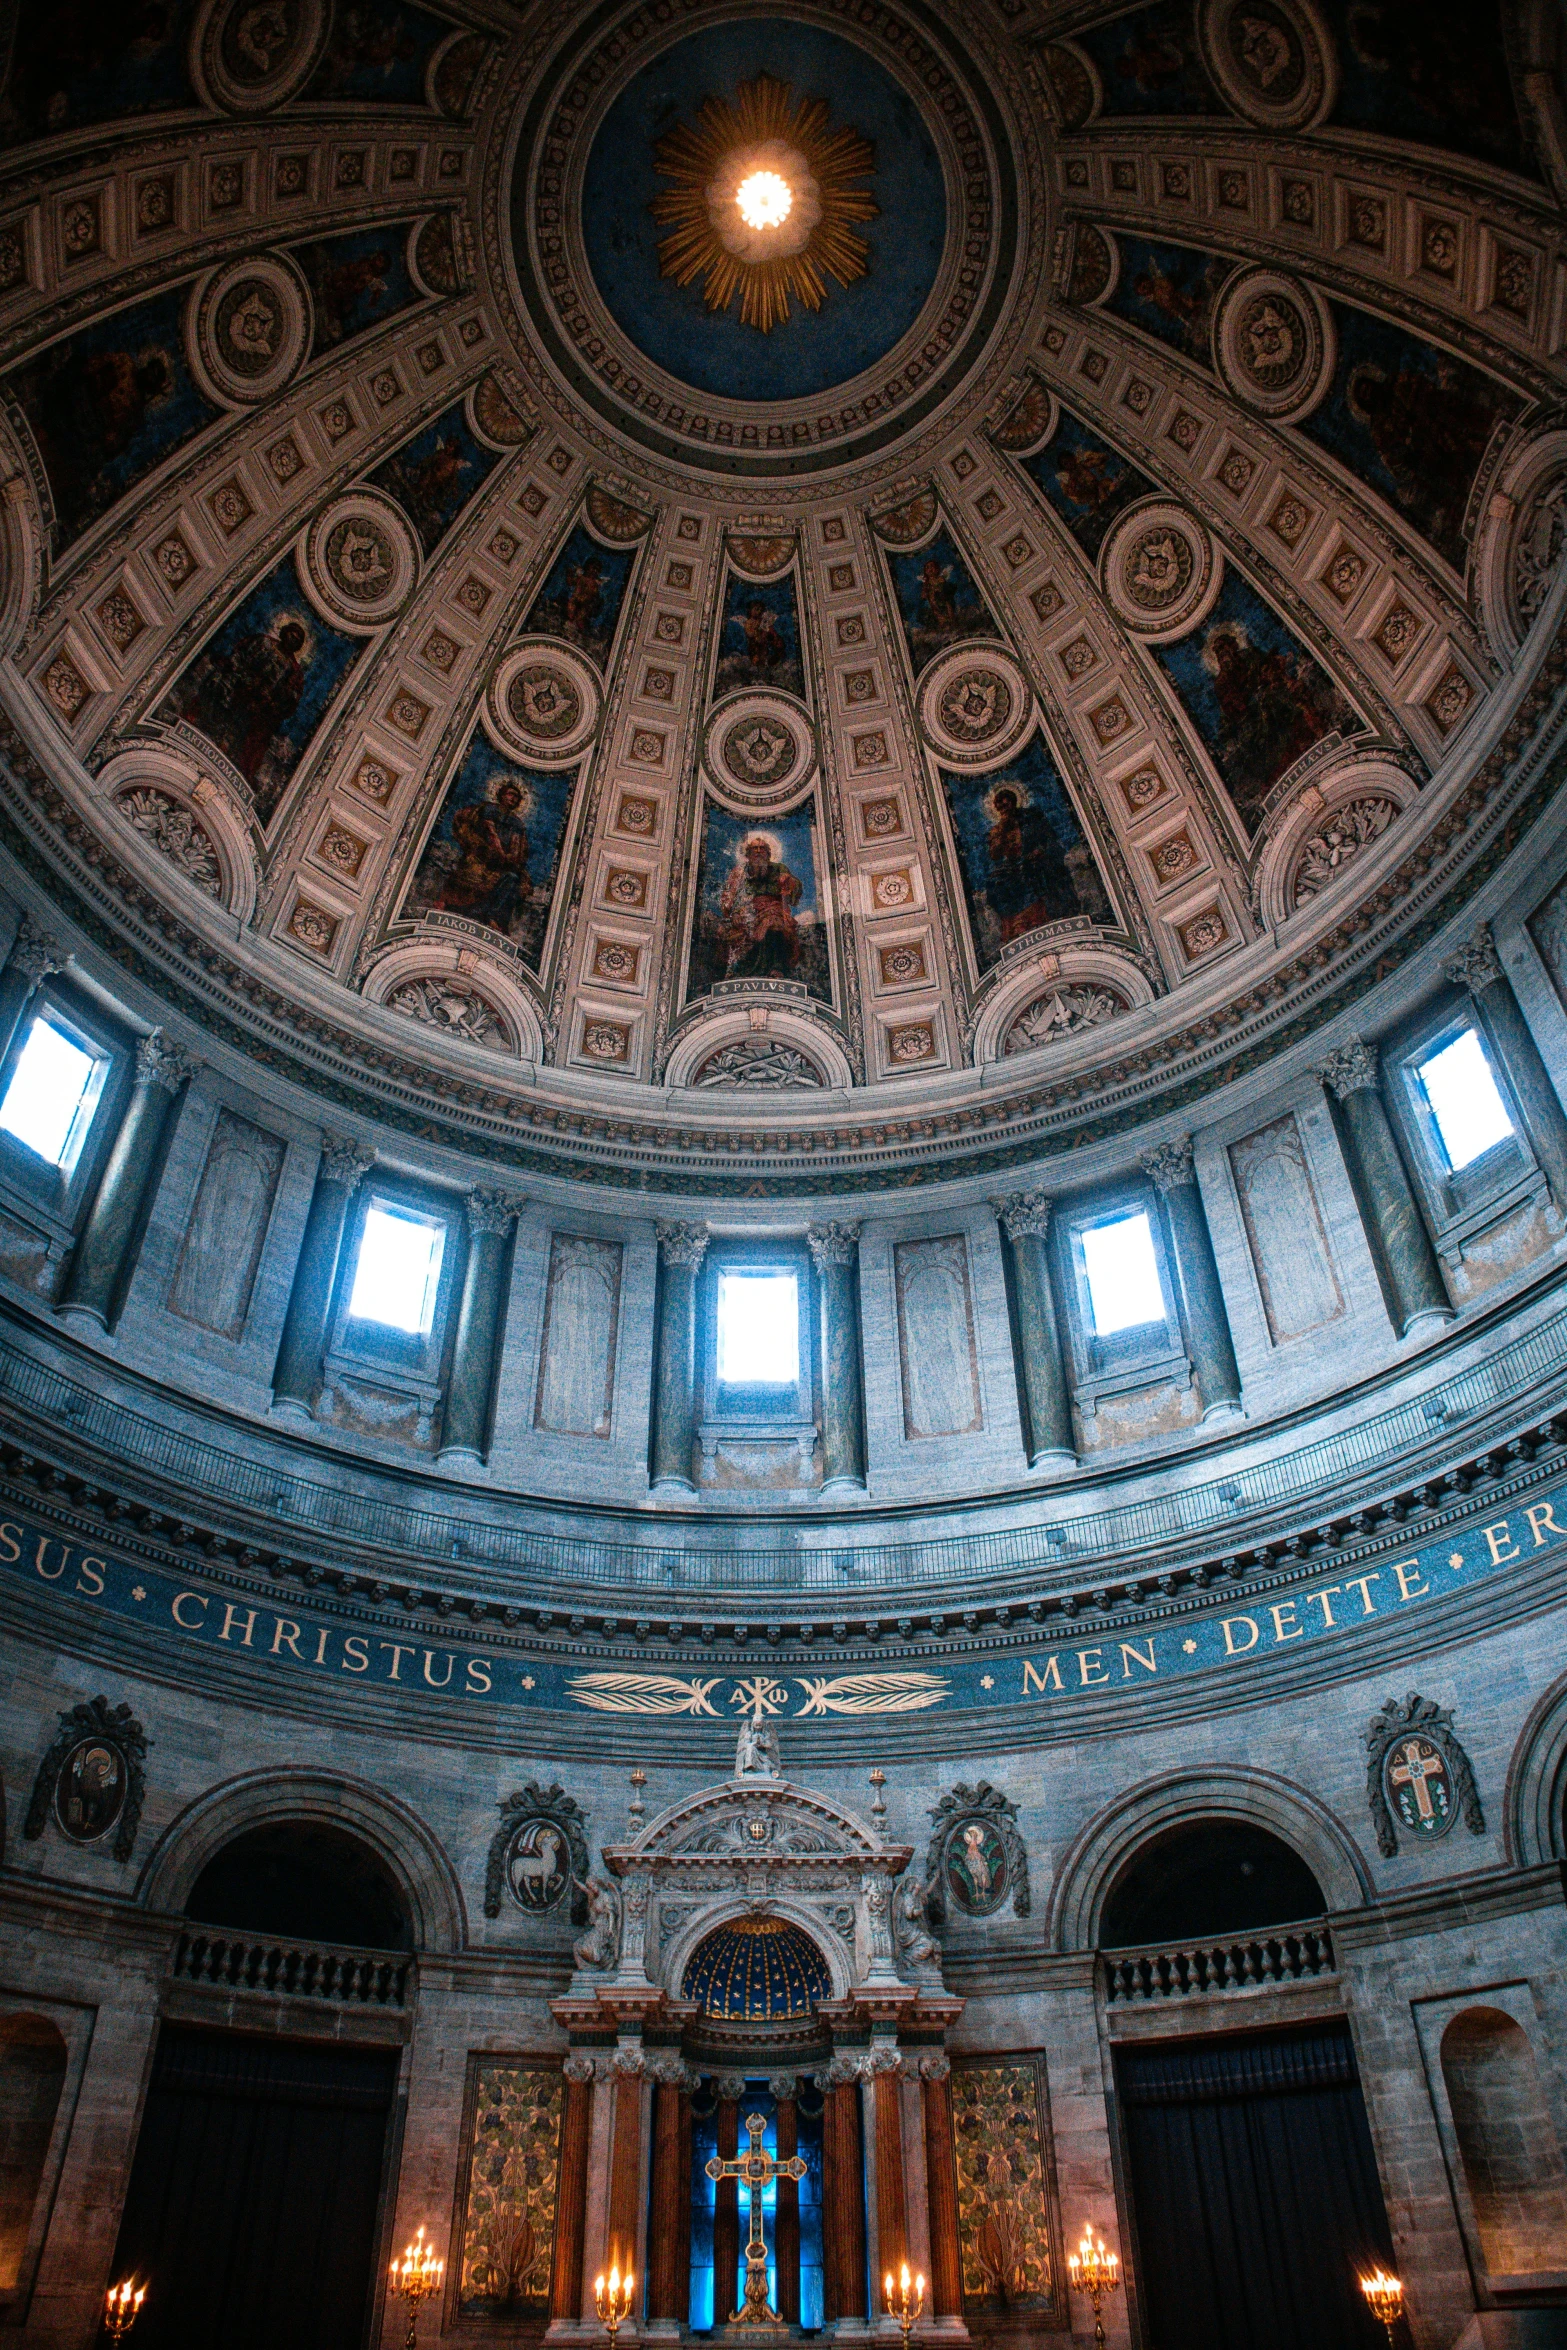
column 53, row 1093
column 1469, row 1112
column 758, row 1329
column 1123, row 1275
column 399, row 1269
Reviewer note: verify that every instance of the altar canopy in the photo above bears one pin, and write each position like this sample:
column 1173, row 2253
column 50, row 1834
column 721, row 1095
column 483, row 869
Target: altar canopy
column 757, row 2010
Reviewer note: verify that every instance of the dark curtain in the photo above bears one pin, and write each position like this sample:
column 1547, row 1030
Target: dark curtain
column 1255, row 2192
column 251, row 2213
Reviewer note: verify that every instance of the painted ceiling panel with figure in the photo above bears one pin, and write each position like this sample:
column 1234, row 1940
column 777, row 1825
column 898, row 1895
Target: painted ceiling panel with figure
column 1257, row 698
column 261, row 686
column 1410, row 421
column 494, row 853
column 434, row 475
column 356, row 282
column 108, row 405
column 1023, row 854
column 938, row 601
column 758, row 904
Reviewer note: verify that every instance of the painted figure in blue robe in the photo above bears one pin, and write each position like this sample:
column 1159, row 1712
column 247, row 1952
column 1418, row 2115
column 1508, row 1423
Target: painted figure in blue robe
column 490, row 883
column 1030, row 881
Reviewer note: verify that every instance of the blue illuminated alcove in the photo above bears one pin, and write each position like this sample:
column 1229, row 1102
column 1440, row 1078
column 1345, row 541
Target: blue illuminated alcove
column 704, row 2203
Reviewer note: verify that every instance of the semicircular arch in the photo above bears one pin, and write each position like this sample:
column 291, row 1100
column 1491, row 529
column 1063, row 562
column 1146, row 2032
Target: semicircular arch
column 392, row 1832
column 1102, row 1850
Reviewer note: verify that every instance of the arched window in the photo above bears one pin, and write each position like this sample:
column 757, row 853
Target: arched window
column 32, row 2074
column 1204, row 1879
column 304, row 1882
column 1512, row 2161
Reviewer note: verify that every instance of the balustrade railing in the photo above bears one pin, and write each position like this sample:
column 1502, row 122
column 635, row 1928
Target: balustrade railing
column 293, row 1970
column 1276, row 1954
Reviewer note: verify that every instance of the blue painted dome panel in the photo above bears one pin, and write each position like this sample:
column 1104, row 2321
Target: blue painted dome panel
column 757, row 1970
column 810, row 350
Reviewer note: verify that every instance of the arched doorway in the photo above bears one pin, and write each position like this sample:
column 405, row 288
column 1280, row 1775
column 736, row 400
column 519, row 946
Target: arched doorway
column 1249, row 2165
column 254, row 2205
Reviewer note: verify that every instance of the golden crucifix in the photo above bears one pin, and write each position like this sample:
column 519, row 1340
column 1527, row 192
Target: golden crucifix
column 755, row 2168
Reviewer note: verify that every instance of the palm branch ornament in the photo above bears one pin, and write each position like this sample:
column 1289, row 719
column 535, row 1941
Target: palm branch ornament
column 762, row 200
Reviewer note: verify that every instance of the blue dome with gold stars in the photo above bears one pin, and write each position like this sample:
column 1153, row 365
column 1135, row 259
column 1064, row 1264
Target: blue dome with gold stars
column 757, row 1970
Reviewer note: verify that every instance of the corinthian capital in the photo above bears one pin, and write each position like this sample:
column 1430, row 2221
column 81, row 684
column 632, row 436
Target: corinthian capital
column 344, row 1162
column 1024, row 1214
column 160, row 1063
column 491, row 1211
column 37, row 952
column 1476, row 965
column 1351, row 1069
column 682, row 1244
column 832, row 1244
column 1171, row 1164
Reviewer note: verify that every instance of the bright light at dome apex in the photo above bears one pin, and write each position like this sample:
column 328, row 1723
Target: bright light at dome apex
column 764, row 199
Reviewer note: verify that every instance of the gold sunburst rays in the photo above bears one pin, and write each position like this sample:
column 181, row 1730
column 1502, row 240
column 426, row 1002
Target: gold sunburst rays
column 764, row 130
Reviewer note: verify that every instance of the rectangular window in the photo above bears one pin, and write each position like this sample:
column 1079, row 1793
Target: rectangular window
column 54, row 1089
column 1123, row 1274
column 1467, row 1109
column 758, row 1329
column 399, row 1271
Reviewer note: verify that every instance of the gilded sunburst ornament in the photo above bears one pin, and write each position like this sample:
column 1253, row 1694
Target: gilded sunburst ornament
column 764, row 193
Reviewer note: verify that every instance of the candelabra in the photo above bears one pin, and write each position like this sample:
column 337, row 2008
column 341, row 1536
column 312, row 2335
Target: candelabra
column 416, row 2276
column 905, row 2300
column 1095, row 2270
column 1386, row 2296
column 612, row 2298
column 121, row 2308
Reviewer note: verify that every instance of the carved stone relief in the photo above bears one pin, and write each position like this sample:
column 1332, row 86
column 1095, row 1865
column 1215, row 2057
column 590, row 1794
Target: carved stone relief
column 936, row 1341
column 581, row 1326
column 215, row 1272
column 1285, row 1231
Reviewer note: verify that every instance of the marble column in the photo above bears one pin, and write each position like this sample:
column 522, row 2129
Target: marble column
column 625, row 2172
column 1477, row 969
column 34, row 955
column 941, row 2188
column 681, row 1248
column 786, row 2219
column 669, row 2219
column 1052, row 1444
column 726, row 2204
column 843, row 2194
column 571, row 2193
column 466, row 1425
column 1207, row 1324
column 106, row 1252
column 835, row 1252
column 298, row 1368
column 892, row 2221
column 1400, row 1244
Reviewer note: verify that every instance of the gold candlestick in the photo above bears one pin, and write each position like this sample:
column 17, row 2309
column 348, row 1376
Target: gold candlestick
column 612, row 2299
column 1095, row 2270
column 1386, row 2296
column 121, row 2307
column 416, row 2276
column 906, row 2303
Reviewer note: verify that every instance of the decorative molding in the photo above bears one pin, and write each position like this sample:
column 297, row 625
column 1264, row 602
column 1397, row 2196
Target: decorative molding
column 563, row 1812
column 118, row 1727
column 985, row 1807
column 1418, row 1722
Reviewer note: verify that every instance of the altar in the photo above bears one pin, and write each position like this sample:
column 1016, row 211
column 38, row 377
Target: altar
column 758, row 2110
